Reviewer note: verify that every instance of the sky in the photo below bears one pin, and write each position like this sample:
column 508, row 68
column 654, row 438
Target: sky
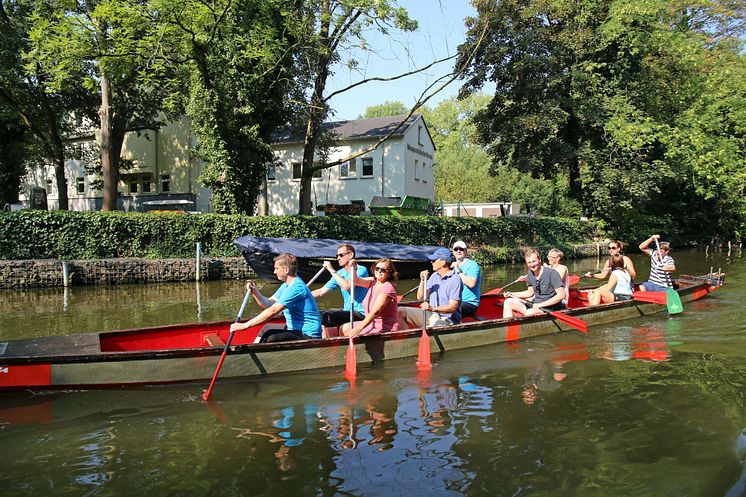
column 441, row 31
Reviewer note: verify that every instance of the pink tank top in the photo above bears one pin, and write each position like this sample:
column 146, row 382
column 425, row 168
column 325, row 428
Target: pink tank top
column 387, row 319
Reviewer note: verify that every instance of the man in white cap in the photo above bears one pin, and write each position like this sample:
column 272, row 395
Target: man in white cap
column 471, row 276
column 443, row 307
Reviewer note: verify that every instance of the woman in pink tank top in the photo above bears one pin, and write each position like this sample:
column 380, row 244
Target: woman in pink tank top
column 380, row 303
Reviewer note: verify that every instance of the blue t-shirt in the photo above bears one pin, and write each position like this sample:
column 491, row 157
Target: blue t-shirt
column 443, row 290
column 359, row 290
column 301, row 312
column 471, row 269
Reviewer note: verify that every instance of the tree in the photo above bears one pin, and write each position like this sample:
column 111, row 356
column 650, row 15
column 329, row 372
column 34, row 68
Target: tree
column 232, row 64
column 14, row 151
column 386, row 109
column 27, row 87
column 97, row 46
column 595, row 94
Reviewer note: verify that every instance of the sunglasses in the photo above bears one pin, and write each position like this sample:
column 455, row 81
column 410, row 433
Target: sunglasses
column 613, row 247
column 339, row 256
column 381, row 270
column 458, row 249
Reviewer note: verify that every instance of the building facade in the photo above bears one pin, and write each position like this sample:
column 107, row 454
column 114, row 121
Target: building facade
column 159, row 168
column 401, row 166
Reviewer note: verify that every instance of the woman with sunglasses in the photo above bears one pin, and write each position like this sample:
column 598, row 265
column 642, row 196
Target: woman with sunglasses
column 615, row 247
column 380, row 303
column 618, row 288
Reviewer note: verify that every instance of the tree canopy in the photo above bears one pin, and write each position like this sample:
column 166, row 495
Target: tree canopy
column 636, row 106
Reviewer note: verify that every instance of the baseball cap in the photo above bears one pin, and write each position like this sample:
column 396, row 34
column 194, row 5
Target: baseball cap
column 460, row 244
column 441, row 253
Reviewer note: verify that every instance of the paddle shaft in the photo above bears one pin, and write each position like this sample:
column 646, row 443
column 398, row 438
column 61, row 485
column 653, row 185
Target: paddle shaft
column 576, row 323
column 206, row 394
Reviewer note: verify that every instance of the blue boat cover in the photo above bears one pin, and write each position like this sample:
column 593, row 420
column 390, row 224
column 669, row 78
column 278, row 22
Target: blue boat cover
column 326, row 248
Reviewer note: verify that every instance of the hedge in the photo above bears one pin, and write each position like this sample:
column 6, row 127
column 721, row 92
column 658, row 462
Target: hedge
column 68, row 235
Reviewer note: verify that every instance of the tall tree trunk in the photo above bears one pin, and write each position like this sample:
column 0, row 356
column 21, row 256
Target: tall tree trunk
column 57, row 148
column 316, row 114
column 108, row 162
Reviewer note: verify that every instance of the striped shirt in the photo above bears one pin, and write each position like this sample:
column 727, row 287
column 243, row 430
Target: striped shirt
column 657, row 274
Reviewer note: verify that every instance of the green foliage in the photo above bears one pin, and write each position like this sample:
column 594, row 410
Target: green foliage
column 99, row 235
column 635, row 105
column 386, row 109
column 231, row 71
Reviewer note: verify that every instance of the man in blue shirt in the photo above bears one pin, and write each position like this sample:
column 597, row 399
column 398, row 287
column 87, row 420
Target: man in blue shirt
column 471, row 276
column 443, row 307
column 293, row 299
column 332, row 319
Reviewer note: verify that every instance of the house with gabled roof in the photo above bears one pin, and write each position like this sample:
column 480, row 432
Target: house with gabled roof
column 401, row 166
column 163, row 171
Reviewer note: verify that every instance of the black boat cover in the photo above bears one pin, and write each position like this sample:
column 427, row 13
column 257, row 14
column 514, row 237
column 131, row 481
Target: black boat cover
column 326, row 248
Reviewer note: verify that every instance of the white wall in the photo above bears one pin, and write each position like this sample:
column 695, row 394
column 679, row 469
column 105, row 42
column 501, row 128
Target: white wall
column 393, row 173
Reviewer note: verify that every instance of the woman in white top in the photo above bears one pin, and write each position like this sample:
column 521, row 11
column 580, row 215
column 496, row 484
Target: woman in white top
column 619, row 286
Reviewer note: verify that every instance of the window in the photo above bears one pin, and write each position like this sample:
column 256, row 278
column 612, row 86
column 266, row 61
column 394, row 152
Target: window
column 49, row 186
column 271, row 172
column 419, row 135
column 424, row 172
column 147, row 185
column 416, row 170
column 165, row 182
column 348, row 169
column 133, row 185
column 297, row 170
column 367, row 166
column 80, row 185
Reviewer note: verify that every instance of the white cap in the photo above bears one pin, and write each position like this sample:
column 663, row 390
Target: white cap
column 459, row 244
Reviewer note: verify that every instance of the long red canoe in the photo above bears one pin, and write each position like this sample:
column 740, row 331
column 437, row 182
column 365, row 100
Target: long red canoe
column 190, row 352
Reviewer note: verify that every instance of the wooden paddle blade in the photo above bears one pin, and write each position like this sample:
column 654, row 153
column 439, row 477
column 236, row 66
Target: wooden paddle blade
column 673, row 301
column 653, row 297
column 351, row 360
column 423, row 352
column 576, row 323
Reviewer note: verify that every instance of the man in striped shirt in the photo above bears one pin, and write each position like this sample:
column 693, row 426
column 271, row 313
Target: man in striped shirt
column 661, row 266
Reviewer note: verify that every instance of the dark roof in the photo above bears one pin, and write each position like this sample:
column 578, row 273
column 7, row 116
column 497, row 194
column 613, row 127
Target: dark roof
column 376, row 127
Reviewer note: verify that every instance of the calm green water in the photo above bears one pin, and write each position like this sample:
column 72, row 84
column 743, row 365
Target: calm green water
column 647, row 407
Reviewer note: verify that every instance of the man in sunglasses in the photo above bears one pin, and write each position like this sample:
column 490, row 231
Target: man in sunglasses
column 332, row 319
column 471, row 276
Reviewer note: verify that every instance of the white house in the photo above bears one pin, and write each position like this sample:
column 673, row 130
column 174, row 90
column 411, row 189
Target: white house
column 163, row 168
column 401, row 166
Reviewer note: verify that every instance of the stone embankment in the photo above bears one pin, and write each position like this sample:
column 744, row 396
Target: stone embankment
column 52, row 273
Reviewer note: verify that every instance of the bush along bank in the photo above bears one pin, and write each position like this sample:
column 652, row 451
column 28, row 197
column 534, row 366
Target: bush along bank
column 64, row 235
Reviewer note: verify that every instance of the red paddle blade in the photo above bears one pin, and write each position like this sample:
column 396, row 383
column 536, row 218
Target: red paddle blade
column 351, row 360
column 654, row 297
column 576, row 323
column 423, row 352
column 574, row 279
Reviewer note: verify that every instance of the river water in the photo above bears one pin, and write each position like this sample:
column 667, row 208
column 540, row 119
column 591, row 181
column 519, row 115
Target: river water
column 646, row 407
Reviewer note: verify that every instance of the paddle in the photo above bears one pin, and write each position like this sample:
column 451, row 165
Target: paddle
column 316, row 276
column 350, row 354
column 423, row 349
column 673, row 301
column 399, row 298
column 498, row 291
column 206, row 393
column 576, row 323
